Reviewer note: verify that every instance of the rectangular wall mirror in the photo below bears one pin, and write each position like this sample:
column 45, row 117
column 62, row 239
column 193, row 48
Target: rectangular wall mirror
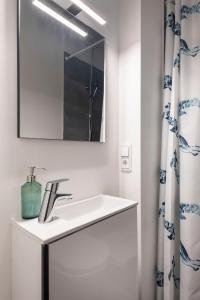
column 61, row 73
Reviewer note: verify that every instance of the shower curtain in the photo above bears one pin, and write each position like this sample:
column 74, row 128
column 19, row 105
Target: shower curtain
column 178, row 258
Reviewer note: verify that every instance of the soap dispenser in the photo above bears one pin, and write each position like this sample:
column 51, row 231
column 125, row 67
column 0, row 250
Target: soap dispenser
column 31, row 193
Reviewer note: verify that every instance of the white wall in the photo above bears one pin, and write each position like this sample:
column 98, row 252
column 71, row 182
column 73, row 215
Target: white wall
column 151, row 103
column 140, row 100
column 92, row 168
column 130, row 100
column 130, row 91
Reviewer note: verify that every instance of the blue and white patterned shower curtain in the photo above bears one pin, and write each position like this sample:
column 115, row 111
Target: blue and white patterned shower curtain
column 178, row 261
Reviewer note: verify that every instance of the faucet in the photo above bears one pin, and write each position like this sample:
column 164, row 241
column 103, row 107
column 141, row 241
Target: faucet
column 49, row 200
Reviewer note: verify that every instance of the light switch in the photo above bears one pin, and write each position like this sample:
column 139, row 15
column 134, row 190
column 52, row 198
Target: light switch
column 124, row 151
column 126, row 159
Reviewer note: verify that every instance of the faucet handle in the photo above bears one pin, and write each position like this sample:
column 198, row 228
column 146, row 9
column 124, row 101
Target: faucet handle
column 53, row 185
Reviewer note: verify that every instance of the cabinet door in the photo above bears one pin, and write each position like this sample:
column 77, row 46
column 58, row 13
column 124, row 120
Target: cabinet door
column 96, row 263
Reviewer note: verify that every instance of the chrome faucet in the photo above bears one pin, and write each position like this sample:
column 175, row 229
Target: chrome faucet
column 49, row 200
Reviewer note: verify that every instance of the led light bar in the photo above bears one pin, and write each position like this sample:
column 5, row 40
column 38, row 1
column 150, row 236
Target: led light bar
column 89, row 11
column 59, row 18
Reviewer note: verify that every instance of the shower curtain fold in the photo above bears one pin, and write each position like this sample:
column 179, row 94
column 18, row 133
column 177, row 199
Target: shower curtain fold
column 178, row 259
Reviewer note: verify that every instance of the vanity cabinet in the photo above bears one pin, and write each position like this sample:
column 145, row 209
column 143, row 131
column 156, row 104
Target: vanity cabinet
column 96, row 262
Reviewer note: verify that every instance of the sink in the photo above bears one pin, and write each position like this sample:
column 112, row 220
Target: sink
column 74, row 216
column 92, row 208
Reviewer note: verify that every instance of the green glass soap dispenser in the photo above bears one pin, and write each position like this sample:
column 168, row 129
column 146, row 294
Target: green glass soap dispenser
column 31, row 193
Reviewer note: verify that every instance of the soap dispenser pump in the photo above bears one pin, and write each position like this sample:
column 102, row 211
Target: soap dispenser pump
column 31, row 193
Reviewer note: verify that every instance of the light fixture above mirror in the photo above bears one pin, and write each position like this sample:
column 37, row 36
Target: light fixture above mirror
column 89, row 11
column 58, row 17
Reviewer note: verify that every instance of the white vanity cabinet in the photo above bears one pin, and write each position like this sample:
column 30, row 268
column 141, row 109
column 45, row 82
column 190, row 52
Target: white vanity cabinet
column 95, row 262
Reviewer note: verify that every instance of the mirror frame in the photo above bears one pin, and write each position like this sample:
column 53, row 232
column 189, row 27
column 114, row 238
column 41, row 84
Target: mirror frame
column 103, row 126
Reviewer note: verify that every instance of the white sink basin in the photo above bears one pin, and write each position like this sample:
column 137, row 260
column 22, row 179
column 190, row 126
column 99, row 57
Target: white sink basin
column 75, row 216
column 92, row 208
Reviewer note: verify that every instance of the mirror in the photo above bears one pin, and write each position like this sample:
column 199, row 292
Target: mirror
column 61, row 73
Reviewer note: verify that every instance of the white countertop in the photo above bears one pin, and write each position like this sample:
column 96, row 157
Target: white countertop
column 75, row 216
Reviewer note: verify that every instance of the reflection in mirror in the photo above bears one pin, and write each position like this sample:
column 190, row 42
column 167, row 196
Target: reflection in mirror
column 61, row 73
column 83, row 93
